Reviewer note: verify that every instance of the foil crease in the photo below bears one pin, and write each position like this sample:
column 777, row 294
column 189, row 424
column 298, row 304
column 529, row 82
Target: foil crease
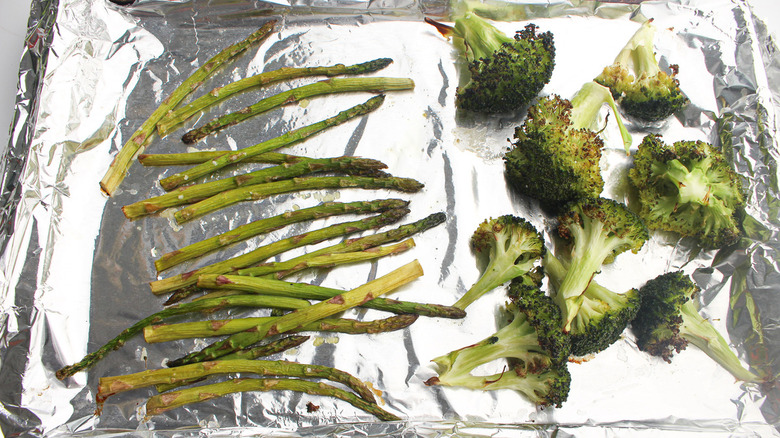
column 75, row 272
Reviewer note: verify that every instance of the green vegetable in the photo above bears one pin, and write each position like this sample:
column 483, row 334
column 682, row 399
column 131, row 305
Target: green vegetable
column 506, row 73
column 535, row 347
column 637, row 82
column 688, row 188
column 556, row 154
column 602, row 316
column 512, row 247
column 324, row 87
column 668, row 320
column 178, row 116
column 597, row 230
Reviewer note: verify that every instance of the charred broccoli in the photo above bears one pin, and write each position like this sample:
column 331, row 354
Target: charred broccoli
column 598, row 229
column 668, row 320
column 556, row 154
column 639, row 85
column 688, row 188
column 512, row 246
column 603, row 315
column 506, row 73
column 533, row 344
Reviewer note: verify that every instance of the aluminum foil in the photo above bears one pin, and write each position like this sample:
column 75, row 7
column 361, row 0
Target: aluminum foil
column 75, row 272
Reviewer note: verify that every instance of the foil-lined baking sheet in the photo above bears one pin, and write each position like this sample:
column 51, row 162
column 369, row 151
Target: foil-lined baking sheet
column 76, row 272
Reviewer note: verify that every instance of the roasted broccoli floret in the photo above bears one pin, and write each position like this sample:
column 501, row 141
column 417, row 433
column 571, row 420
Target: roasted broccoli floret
column 639, row 85
column 532, row 343
column 512, row 247
column 556, row 153
column 506, row 73
column 688, row 188
column 669, row 319
column 598, row 229
column 603, row 315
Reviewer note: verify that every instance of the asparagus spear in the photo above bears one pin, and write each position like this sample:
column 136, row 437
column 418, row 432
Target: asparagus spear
column 292, row 321
column 266, row 225
column 208, row 305
column 172, row 332
column 358, row 244
column 305, row 166
column 163, row 402
column 279, row 270
column 287, row 139
column 108, row 386
column 199, row 157
column 258, row 191
column 327, row 86
column 140, row 138
column 273, row 347
column 178, row 116
column 312, row 292
column 259, row 254
column 243, row 232
column 203, row 329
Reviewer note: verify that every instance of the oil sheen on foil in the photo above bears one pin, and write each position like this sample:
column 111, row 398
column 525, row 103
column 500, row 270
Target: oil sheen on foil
column 76, row 272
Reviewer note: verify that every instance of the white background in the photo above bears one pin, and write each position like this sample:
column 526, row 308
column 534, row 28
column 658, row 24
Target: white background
column 13, row 26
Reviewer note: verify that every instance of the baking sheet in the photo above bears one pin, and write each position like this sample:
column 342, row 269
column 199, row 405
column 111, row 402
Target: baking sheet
column 75, row 272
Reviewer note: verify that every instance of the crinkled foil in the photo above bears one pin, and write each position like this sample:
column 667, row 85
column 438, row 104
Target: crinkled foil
column 75, row 272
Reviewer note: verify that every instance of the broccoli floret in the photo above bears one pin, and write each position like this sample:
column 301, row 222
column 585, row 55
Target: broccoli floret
column 556, row 153
column 512, row 246
column 598, row 229
column 669, row 319
column 506, row 73
column 688, row 188
column 641, row 88
column 603, row 315
column 533, row 344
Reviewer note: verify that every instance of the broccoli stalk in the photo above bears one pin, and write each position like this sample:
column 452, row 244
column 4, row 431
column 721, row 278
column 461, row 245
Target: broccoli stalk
column 586, row 106
column 599, row 229
column 688, row 188
column 556, row 155
column 669, row 319
column 512, row 245
column 603, row 314
column 506, row 73
column 643, row 90
column 533, row 344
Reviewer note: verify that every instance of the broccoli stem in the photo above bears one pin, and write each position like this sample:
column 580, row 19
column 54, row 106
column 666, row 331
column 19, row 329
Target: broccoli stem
column 701, row 333
column 481, row 38
column 586, row 106
column 591, row 249
column 514, row 340
column 499, row 270
column 637, row 55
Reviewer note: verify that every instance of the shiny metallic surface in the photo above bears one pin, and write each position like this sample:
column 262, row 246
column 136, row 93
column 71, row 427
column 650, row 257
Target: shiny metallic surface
column 75, row 272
